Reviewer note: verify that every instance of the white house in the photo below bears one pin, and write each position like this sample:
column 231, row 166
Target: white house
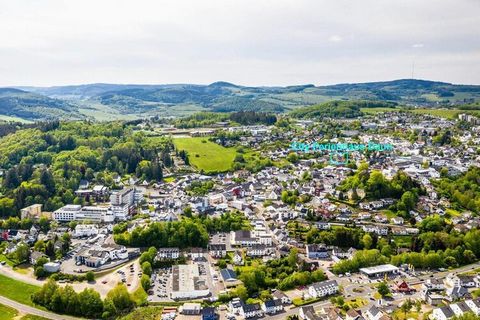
column 85, row 230
column 317, row 251
column 323, row 288
column 167, row 254
column 251, row 310
column 272, row 306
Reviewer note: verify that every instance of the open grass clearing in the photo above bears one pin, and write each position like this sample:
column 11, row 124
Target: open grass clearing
column 7, row 313
column 17, row 290
column 206, row 155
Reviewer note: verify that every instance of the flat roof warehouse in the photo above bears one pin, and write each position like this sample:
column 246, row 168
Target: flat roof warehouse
column 379, row 270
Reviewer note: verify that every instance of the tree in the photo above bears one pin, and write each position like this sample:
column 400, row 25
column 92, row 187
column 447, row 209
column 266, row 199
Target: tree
column 406, row 307
column 383, row 289
column 292, row 157
column 44, row 224
column 147, row 268
column 91, row 304
column 22, row 253
column 46, row 179
column 241, row 292
column 90, row 276
column 109, row 309
column 146, row 282
column 367, row 241
column 7, row 207
column 292, row 257
column 11, row 180
column 121, row 299
column 40, row 272
column 222, row 264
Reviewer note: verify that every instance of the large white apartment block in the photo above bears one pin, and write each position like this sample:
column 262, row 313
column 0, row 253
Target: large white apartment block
column 122, row 202
column 323, row 288
column 72, row 212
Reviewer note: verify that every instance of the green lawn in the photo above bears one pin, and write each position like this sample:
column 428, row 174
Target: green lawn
column 206, row 155
column 8, row 261
column 169, row 179
column 378, row 110
column 403, row 241
column 32, row 317
column 17, row 290
column 146, row 313
column 7, row 313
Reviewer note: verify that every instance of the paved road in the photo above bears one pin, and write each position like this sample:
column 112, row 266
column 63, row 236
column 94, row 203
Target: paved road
column 31, row 310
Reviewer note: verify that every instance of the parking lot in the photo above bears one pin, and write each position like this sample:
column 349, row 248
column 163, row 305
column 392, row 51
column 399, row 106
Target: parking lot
column 161, row 285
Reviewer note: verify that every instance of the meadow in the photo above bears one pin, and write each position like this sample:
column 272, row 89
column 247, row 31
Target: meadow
column 206, row 155
column 7, row 313
column 17, row 290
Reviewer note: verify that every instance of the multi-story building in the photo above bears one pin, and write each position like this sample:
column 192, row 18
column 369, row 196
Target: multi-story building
column 122, row 203
column 32, row 212
column 167, row 254
column 323, row 288
column 73, row 212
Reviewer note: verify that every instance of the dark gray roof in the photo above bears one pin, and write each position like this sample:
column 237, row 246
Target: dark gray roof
column 447, row 311
column 228, row 274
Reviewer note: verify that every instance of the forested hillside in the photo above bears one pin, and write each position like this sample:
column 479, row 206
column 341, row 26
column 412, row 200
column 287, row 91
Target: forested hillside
column 45, row 164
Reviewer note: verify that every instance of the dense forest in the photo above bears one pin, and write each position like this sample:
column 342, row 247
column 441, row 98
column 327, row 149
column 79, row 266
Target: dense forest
column 203, row 119
column 45, row 164
column 463, row 190
column 437, row 246
column 376, row 186
column 188, row 232
column 338, row 109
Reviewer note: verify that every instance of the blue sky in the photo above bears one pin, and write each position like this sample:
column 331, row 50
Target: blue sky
column 244, row 42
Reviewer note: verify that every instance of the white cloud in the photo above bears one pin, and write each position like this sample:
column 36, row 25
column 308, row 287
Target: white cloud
column 267, row 42
column 335, row 38
column 417, row 45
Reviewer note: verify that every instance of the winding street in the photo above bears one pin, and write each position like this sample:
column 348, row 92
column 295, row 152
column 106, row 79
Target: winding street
column 34, row 311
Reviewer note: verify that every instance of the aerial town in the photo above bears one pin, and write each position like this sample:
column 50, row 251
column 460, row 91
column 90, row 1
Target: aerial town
column 240, row 160
column 347, row 233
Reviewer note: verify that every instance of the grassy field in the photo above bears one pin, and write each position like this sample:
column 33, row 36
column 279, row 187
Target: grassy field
column 7, row 313
column 403, row 241
column 146, row 313
column 32, row 317
column 12, row 118
column 378, row 110
column 17, row 290
column 206, row 155
column 7, row 261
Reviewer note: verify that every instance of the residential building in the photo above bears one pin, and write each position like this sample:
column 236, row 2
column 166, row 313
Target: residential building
column 33, row 212
column 317, row 251
column 272, row 306
column 217, row 250
column 323, row 288
column 167, row 254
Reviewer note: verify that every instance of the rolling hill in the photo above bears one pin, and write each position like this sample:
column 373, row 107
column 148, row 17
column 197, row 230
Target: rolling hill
column 125, row 101
column 33, row 106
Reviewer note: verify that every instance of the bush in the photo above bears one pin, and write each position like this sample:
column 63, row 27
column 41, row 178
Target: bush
column 90, row 276
column 146, row 282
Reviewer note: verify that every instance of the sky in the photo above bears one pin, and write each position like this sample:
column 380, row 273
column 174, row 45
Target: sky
column 247, row 42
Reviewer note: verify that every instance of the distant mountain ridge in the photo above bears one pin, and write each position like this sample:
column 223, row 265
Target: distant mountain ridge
column 103, row 100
